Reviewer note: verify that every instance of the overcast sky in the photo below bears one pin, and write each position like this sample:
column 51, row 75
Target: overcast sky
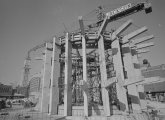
column 26, row 23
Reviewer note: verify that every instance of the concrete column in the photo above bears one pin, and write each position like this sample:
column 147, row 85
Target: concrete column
column 38, row 106
column 55, row 74
column 140, row 87
column 46, row 79
column 143, row 102
column 85, row 75
column 68, row 77
column 105, row 95
column 118, row 66
column 131, row 78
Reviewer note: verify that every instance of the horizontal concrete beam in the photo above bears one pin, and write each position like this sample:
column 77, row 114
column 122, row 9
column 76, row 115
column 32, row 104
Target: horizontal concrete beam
column 150, row 80
column 139, row 51
column 121, row 29
column 140, row 46
column 128, row 82
column 133, row 34
column 143, row 39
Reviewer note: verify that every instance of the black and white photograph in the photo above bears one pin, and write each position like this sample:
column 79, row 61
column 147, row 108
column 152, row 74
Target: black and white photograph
column 82, row 60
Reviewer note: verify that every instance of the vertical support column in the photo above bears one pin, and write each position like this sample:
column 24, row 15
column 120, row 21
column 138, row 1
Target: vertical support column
column 46, row 79
column 118, row 65
column 143, row 102
column 132, row 88
column 105, row 95
column 55, row 74
column 140, row 87
column 68, row 77
column 85, row 75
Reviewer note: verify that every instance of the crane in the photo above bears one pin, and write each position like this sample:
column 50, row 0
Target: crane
column 121, row 12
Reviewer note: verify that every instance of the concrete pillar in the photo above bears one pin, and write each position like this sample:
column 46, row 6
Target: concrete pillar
column 131, row 78
column 139, row 77
column 68, row 77
column 85, row 75
column 105, row 94
column 118, row 66
column 55, row 74
column 46, row 79
column 38, row 106
column 143, row 101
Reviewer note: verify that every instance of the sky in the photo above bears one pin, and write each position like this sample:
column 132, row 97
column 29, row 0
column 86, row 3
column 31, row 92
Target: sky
column 27, row 23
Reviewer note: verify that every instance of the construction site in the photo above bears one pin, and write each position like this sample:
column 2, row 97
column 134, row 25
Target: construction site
column 94, row 73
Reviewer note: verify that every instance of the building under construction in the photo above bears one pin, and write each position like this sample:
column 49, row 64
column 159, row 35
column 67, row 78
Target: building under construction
column 94, row 72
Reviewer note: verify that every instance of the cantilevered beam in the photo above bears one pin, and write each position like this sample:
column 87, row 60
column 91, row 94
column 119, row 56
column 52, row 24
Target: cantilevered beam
column 140, row 46
column 143, row 39
column 139, row 51
column 127, row 83
column 121, row 29
column 133, row 34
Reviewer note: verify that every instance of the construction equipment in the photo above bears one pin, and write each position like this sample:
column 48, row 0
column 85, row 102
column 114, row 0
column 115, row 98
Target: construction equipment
column 123, row 11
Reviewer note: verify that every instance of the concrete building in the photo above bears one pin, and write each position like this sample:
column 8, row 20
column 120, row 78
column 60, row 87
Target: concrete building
column 5, row 90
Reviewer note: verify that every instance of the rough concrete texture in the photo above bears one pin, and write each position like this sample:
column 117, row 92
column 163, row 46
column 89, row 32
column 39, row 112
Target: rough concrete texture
column 46, row 79
column 55, row 74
